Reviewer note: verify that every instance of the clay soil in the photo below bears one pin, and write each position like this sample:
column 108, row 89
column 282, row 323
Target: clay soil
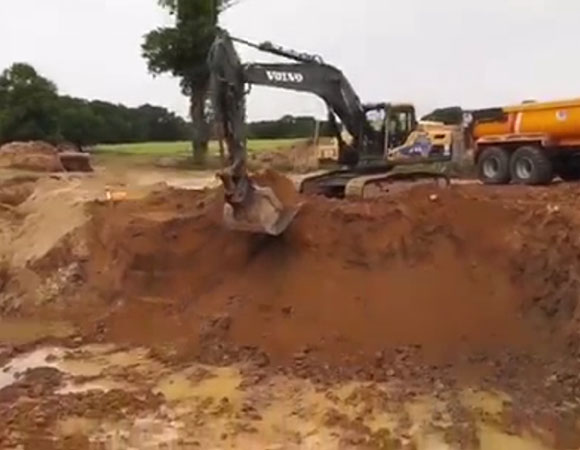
column 39, row 156
column 438, row 289
column 464, row 272
column 33, row 156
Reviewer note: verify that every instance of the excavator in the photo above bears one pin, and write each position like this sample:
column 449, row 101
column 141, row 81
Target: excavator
column 384, row 136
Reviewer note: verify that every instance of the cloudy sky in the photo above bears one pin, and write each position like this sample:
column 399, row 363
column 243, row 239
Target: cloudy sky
column 429, row 52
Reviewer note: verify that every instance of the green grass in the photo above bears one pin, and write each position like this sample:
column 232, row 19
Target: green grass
column 183, row 148
column 147, row 148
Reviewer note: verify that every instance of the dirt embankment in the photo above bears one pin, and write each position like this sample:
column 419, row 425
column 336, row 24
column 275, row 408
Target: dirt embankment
column 35, row 156
column 301, row 157
column 39, row 156
column 350, row 284
column 429, row 292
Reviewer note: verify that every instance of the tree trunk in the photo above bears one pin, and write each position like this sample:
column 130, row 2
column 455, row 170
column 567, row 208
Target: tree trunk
column 200, row 138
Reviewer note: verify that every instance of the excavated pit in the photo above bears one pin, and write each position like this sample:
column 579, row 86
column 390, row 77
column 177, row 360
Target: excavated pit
column 447, row 274
column 449, row 315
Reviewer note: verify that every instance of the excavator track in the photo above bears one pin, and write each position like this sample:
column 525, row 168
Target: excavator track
column 352, row 185
column 380, row 185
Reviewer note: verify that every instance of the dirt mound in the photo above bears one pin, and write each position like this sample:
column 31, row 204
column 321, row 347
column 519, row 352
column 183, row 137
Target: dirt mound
column 53, row 210
column 15, row 191
column 42, row 217
column 41, row 156
column 439, row 300
column 36, row 156
column 348, row 284
column 283, row 187
column 300, row 157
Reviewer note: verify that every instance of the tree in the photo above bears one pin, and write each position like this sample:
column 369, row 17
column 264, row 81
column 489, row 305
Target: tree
column 182, row 51
column 31, row 109
column 28, row 105
column 287, row 127
column 159, row 124
column 117, row 126
column 78, row 123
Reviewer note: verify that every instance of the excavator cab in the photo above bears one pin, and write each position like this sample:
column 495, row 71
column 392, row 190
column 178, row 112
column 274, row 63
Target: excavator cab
column 392, row 125
column 401, row 122
column 400, row 139
column 408, row 142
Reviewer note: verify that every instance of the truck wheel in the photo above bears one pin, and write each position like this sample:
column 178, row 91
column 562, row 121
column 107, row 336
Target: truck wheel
column 493, row 166
column 531, row 166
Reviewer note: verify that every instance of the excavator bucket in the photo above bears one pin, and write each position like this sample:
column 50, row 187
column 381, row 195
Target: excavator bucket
column 261, row 212
column 265, row 203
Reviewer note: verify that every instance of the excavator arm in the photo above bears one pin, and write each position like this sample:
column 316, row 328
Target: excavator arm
column 250, row 207
column 323, row 80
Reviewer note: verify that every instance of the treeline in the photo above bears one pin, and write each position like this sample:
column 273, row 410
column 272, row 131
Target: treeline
column 31, row 108
column 101, row 122
column 288, row 127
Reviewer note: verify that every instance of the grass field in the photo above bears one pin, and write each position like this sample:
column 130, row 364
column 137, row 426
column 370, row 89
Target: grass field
column 183, row 148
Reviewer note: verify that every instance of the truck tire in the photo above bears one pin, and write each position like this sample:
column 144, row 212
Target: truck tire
column 493, row 166
column 530, row 165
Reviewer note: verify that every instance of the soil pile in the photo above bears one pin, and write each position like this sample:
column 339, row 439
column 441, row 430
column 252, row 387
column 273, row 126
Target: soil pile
column 50, row 214
column 301, row 157
column 39, row 156
column 16, row 190
column 36, row 156
column 460, row 272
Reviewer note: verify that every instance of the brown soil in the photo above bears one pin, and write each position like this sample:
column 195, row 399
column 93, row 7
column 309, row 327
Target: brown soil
column 469, row 272
column 39, row 156
column 15, row 191
column 473, row 286
column 36, row 156
column 283, row 187
column 301, row 157
column 32, row 406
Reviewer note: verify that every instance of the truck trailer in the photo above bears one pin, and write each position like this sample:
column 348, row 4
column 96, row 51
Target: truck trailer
column 528, row 144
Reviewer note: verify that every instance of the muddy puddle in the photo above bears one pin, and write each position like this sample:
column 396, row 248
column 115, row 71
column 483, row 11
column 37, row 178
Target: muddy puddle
column 212, row 407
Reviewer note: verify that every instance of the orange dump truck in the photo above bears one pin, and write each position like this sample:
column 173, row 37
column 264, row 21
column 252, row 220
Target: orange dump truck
column 528, row 144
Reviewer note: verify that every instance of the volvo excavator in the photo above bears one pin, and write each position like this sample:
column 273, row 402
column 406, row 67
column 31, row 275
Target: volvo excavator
column 384, row 136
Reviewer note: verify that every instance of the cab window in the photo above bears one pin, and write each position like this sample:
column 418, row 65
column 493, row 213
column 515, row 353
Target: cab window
column 400, row 126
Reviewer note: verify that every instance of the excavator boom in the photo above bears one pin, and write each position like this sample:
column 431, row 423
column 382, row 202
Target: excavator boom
column 249, row 207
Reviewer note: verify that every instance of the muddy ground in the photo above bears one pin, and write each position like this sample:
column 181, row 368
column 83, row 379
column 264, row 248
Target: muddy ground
column 433, row 319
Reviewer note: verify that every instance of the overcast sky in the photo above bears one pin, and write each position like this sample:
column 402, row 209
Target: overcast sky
column 429, row 52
